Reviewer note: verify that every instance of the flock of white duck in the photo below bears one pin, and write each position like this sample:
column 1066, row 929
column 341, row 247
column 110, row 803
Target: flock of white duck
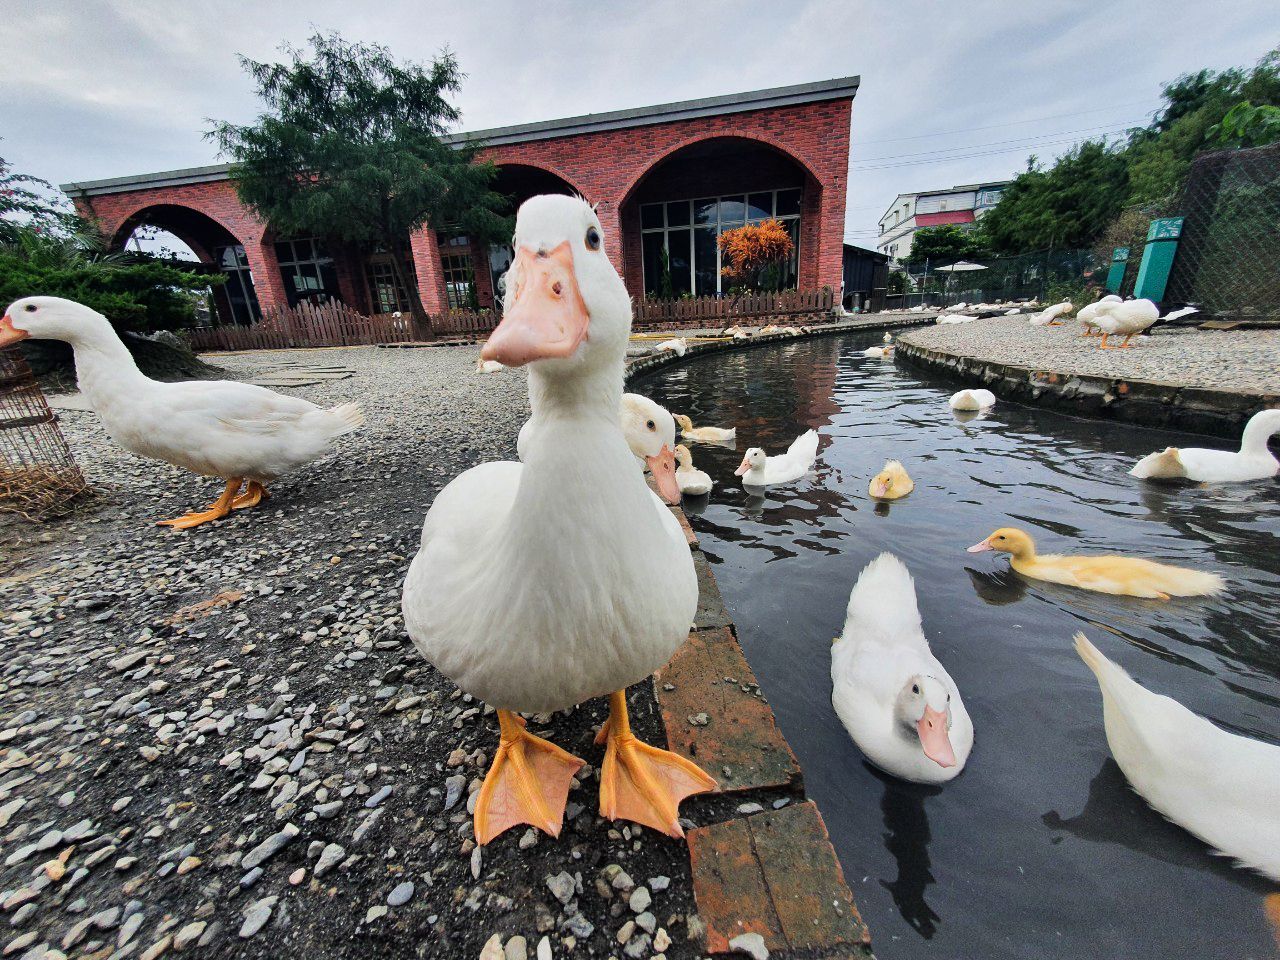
column 545, row 582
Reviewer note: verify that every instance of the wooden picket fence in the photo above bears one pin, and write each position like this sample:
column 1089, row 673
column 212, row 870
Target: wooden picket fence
column 334, row 324
column 715, row 311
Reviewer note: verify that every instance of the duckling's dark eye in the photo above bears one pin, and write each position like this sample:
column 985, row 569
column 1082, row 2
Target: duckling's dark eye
column 915, row 688
column 593, row 238
column 30, row 308
column 651, row 425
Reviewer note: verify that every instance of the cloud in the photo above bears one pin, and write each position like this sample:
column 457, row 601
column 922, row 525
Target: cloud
column 127, row 86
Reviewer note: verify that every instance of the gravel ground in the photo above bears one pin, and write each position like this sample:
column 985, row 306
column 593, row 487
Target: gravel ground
column 1243, row 361
column 223, row 742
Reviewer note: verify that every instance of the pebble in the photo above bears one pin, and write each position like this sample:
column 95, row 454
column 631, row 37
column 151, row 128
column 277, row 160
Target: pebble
column 332, row 855
column 269, row 847
column 640, row 900
column 516, row 949
column 401, row 895
column 492, row 949
column 751, row 944
column 188, row 935
column 561, row 886
column 544, row 949
column 256, row 916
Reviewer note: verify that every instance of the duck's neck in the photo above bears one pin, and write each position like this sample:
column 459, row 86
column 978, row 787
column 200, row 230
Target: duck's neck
column 104, row 366
column 589, row 394
column 1256, row 433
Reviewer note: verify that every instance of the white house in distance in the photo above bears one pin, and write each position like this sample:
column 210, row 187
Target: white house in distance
column 909, row 212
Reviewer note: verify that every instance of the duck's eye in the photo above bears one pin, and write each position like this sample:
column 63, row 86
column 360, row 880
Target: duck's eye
column 30, row 308
column 593, row 238
column 915, row 688
column 651, row 425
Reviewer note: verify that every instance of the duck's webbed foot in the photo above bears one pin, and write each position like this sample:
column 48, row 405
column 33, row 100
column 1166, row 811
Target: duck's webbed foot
column 253, row 495
column 528, row 782
column 642, row 783
column 215, row 511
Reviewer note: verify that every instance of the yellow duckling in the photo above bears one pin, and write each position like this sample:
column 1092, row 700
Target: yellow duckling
column 891, row 483
column 704, row 434
column 1105, row 573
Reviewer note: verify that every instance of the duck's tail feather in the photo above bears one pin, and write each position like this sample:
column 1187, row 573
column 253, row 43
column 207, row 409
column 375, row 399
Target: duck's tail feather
column 965, row 400
column 884, row 598
column 1181, row 582
column 1166, row 465
column 804, row 447
column 348, row 417
column 1108, row 673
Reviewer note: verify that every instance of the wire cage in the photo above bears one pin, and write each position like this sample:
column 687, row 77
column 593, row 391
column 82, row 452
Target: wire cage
column 38, row 477
column 1228, row 258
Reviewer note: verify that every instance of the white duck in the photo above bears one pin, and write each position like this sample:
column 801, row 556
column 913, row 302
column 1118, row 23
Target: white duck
column 759, row 470
column 488, row 366
column 721, row 435
column 879, row 353
column 1129, row 317
column 972, row 400
column 1051, row 316
column 692, row 481
column 1253, row 461
column 676, row 345
column 898, row 703
column 543, row 584
column 1088, row 314
column 215, row 428
column 1219, row 786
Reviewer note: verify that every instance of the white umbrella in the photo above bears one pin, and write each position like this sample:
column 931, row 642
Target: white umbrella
column 960, row 266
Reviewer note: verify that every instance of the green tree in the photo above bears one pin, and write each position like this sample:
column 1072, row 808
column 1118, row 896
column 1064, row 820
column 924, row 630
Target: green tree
column 1067, row 206
column 27, row 202
column 352, row 147
column 1247, row 126
column 947, row 242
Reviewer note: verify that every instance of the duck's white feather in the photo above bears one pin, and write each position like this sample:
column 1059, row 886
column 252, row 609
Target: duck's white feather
column 978, row 399
column 786, row 467
column 1253, row 461
column 1219, row 786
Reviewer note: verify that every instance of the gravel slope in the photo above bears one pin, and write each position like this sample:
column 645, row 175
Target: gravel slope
column 278, row 773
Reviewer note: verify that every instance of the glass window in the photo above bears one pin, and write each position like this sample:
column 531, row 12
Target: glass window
column 651, row 216
column 759, row 206
column 237, row 293
column 681, row 257
column 733, row 212
column 307, row 270
column 654, row 245
column 706, row 262
column 457, row 280
column 704, row 211
column 386, row 291
column 678, row 214
column 788, row 203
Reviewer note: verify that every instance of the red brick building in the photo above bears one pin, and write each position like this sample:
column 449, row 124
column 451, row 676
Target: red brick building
column 666, row 181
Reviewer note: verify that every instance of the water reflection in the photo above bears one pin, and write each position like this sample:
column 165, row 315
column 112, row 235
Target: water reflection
column 1011, row 880
column 907, row 837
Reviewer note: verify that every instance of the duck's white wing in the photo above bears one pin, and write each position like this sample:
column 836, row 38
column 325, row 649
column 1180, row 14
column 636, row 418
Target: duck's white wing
column 1217, row 785
column 882, row 608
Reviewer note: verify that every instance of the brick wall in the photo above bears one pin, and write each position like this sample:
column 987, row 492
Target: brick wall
column 807, row 144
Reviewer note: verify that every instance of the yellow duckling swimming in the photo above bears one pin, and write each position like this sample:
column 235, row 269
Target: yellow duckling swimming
column 1105, row 573
column 891, row 483
column 704, row 434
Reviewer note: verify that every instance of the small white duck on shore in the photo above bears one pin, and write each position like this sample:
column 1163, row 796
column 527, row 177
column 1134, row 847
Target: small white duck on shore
column 1253, row 461
column 1219, row 786
column 488, row 366
column 676, row 345
column 1052, row 316
column 235, row 431
column 898, row 703
column 978, row 399
column 1129, row 317
column 692, row 481
column 1088, row 314
column 759, row 470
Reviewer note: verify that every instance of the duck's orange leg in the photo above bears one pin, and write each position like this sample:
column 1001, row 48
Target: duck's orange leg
column 528, row 782
column 1125, row 344
column 1103, row 344
column 253, row 495
column 216, row 510
column 642, row 783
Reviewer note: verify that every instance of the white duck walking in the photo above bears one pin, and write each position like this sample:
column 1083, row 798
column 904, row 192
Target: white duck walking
column 898, row 703
column 1129, row 317
column 759, row 470
column 538, row 586
column 215, row 428
column 1219, row 786
column 1253, row 461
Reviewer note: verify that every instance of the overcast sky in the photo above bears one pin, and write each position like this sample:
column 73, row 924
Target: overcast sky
column 950, row 93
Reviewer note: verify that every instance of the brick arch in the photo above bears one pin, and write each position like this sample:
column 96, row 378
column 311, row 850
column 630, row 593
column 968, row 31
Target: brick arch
column 545, row 168
column 756, row 136
column 193, row 226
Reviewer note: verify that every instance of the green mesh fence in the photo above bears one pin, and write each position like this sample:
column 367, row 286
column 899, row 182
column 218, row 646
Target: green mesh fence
column 1029, row 276
column 1228, row 258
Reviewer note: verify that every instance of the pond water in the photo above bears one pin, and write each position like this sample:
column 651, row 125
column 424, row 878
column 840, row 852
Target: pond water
column 1039, row 849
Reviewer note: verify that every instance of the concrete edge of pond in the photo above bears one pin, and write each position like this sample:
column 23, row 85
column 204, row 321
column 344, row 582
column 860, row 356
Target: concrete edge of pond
column 1146, row 403
column 762, row 861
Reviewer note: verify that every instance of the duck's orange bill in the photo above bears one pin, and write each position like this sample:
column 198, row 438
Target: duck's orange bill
column 663, row 468
column 981, row 546
column 932, row 728
column 743, row 467
column 879, row 488
column 9, row 334
column 547, row 317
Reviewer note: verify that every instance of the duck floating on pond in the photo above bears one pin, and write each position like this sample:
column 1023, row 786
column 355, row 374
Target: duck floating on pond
column 1253, row 461
column 539, row 586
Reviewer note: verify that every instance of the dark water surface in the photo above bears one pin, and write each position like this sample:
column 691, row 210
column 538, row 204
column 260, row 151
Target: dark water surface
column 1039, row 849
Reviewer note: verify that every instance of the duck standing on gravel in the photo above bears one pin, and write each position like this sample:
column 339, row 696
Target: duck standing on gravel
column 543, row 584
column 1130, row 317
column 216, row 428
